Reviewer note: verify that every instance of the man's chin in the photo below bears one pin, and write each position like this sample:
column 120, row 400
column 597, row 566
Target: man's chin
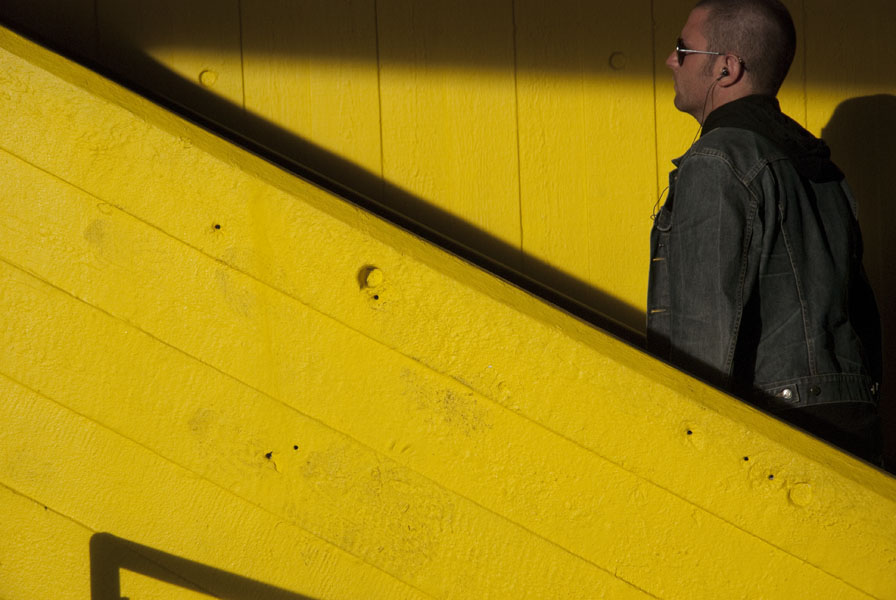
column 678, row 103
column 682, row 107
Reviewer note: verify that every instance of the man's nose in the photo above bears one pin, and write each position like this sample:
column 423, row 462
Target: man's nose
column 672, row 60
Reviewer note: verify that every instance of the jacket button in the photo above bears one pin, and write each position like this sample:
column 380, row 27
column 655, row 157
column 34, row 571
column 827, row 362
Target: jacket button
column 787, row 394
column 815, row 390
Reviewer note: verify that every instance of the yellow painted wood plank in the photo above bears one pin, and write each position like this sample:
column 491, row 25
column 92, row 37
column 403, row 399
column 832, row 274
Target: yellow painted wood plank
column 221, row 430
column 550, row 369
column 310, row 69
column 42, row 554
column 449, row 119
column 586, row 149
column 454, row 436
column 104, row 482
column 187, row 51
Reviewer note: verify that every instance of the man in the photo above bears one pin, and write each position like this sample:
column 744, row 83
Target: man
column 756, row 280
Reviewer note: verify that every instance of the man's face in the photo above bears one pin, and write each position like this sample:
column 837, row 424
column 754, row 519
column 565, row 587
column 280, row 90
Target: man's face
column 693, row 78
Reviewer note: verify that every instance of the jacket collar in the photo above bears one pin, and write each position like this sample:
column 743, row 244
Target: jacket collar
column 762, row 115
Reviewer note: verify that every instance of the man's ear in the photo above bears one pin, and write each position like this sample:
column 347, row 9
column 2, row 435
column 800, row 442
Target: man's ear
column 732, row 71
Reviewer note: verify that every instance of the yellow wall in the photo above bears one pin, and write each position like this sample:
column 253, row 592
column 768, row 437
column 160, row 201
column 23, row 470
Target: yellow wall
column 218, row 380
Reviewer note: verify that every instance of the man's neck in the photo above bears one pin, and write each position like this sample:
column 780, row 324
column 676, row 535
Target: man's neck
column 720, row 96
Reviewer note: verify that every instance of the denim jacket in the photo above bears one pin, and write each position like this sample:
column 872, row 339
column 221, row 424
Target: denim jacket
column 756, row 278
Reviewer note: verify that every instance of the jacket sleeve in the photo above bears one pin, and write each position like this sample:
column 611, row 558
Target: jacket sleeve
column 713, row 220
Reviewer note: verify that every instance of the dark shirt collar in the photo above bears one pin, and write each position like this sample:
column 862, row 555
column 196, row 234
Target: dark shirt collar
column 757, row 113
column 762, row 115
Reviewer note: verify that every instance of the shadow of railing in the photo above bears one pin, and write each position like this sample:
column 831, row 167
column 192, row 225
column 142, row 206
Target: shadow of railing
column 109, row 555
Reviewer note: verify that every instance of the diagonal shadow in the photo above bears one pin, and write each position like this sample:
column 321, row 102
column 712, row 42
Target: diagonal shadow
column 415, row 214
column 110, row 554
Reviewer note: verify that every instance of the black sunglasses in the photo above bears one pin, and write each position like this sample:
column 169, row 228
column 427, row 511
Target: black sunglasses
column 681, row 51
